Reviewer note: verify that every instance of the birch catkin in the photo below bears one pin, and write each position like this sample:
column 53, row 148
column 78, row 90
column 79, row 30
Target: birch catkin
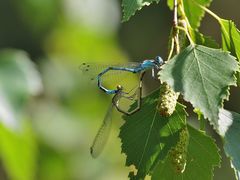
column 167, row 100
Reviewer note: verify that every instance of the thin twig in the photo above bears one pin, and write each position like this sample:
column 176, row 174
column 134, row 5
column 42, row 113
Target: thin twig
column 171, row 49
column 181, row 8
column 188, row 35
column 208, row 11
column 175, row 24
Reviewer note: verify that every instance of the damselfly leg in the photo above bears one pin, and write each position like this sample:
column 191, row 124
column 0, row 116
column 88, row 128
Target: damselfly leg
column 129, row 102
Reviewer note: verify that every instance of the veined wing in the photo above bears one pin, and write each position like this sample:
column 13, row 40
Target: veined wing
column 112, row 78
column 102, row 134
column 129, row 101
column 91, row 70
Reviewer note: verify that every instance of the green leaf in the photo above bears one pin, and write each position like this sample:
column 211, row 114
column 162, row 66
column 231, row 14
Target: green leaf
column 198, row 38
column 170, row 4
column 18, row 152
column 201, row 39
column 200, row 118
column 231, row 39
column 202, row 157
column 203, row 75
column 131, row 6
column 146, row 136
column 37, row 16
column 193, row 12
column 229, row 129
column 19, row 80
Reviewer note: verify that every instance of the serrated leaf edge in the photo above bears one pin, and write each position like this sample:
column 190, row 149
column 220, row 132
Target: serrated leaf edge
column 202, row 14
column 217, row 148
column 124, row 19
column 146, row 143
column 224, row 97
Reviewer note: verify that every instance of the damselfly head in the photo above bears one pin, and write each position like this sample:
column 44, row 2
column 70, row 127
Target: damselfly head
column 158, row 61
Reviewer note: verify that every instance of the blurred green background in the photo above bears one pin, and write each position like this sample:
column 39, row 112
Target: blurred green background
column 49, row 113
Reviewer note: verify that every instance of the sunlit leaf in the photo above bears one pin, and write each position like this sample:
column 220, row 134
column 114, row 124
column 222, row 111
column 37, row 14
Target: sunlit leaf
column 146, row 136
column 203, row 75
column 170, row 4
column 131, row 6
column 202, row 157
column 18, row 152
column 193, row 12
column 229, row 128
column 76, row 41
column 230, row 39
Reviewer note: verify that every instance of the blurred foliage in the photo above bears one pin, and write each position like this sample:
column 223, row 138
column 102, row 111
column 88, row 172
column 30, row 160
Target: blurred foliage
column 19, row 80
column 78, row 41
column 18, row 151
column 49, row 114
column 25, row 24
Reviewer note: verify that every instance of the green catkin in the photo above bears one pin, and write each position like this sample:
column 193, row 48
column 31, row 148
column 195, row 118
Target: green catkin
column 178, row 154
column 167, row 100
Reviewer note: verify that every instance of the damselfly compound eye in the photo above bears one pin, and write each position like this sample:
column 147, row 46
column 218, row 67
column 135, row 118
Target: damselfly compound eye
column 159, row 60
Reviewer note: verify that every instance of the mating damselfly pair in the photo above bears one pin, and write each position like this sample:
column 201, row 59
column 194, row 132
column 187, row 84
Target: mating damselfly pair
column 122, row 95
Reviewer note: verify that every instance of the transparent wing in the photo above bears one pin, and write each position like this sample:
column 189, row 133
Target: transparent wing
column 112, row 78
column 102, row 134
column 91, row 70
column 128, row 102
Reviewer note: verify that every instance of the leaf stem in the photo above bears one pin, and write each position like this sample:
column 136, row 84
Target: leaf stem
column 188, row 35
column 174, row 34
column 187, row 25
column 175, row 24
column 171, row 49
column 208, row 11
column 181, row 8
